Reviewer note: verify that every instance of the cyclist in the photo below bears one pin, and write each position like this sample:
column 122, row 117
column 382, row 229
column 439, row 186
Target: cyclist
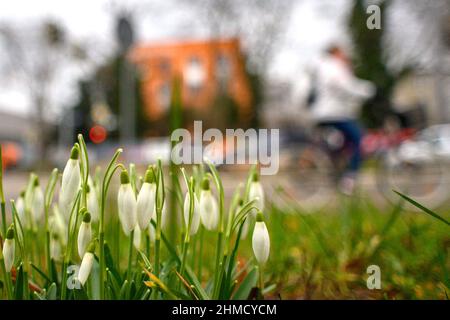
column 337, row 103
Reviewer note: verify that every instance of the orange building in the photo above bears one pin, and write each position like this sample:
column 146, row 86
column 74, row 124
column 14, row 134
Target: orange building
column 205, row 68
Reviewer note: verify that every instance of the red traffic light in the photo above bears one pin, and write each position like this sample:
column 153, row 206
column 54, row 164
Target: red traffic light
column 97, row 134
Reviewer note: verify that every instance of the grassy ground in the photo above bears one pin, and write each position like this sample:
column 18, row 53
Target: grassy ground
column 325, row 255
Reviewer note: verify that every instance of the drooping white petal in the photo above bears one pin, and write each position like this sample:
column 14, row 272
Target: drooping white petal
column 246, row 224
column 71, row 179
column 84, row 237
column 146, row 204
column 246, row 227
column 37, row 206
column 137, row 237
column 58, row 224
column 86, row 267
column 209, row 212
column 55, row 249
column 127, row 208
column 166, row 219
column 151, row 233
column 93, row 205
column 256, row 192
column 195, row 222
column 8, row 253
column 261, row 242
column 20, row 207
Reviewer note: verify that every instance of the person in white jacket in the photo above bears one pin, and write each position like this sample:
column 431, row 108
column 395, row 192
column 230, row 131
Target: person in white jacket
column 339, row 97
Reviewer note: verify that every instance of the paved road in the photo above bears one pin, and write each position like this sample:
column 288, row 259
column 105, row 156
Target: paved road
column 281, row 185
column 284, row 186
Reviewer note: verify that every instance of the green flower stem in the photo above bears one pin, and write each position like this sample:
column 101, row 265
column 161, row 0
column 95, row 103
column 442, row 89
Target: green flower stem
column 101, row 238
column 218, row 263
column 49, row 191
column 130, row 255
column 219, row 249
column 261, row 280
column 183, row 258
column 147, row 242
column 160, row 195
column 200, row 253
column 85, row 169
column 105, row 184
column 157, row 249
column 70, row 242
column 3, row 208
column 2, row 196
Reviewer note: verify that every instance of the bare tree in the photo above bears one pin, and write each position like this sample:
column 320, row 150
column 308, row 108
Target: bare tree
column 259, row 23
column 33, row 58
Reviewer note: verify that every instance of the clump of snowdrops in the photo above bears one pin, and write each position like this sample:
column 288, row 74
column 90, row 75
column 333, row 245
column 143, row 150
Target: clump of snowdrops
column 67, row 240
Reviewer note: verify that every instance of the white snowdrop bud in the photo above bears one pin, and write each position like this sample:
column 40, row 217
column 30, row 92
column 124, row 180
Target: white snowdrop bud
column 209, row 211
column 195, row 222
column 37, row 204
column 146, row 200
column 256, row 192
column 92, row 200
column 9, row 249
column 84, row 234
column 261, row 240
column 20, row 207
column 86, row 264
column 71, row 179
column 126, row 204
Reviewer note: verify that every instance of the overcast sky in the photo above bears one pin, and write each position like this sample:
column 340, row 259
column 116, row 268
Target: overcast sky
column 312, row 24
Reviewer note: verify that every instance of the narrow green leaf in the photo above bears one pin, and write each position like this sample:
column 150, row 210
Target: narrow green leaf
column 243, row 292
column 424, row 209
column 18, row 292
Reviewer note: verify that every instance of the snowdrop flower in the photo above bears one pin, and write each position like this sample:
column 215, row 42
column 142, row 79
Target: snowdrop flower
column 256, row 193
column 126, row 204
column 37, row 204
column 58, row 224
column 86, row 263
column 92, row 200
column 209, row 212
column 20, row 206
column 84, row 233
column 55, row 247
column 261, row 240
column 146, row 201
column 8, row 249
column 195, row 222
column 71, row 179
column 137, row 237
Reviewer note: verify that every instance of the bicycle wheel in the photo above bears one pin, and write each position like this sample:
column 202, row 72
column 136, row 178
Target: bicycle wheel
column 425, row 181
column 309, row 171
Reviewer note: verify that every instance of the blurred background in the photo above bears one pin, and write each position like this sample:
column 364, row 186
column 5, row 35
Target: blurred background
column 111, row 69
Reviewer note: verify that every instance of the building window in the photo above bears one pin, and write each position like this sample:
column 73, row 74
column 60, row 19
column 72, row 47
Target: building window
column 194, row 75
column 223, row 70
column 164, row 96
column 164, row 66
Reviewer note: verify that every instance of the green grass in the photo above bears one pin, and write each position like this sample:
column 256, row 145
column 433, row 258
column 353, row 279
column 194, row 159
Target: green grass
column 325, row 255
